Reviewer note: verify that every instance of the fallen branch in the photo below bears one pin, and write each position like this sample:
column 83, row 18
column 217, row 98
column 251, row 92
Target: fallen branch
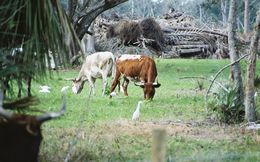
column 195, row 30
column 192, row 50
column 215, row 77
column 189, row 43
column 192, row 46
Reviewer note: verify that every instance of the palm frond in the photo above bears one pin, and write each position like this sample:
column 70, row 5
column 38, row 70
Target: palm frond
column 38, row 27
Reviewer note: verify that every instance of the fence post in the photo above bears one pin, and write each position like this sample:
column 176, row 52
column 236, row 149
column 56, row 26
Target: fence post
column 158, row 145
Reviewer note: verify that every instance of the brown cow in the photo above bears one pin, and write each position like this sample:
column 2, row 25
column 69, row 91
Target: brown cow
column 20, row 136
column 138, row 68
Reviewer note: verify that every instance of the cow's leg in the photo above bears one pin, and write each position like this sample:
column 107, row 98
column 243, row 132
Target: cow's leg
column 115, row 82
column 119, row 86
column 125, row 84
column 92, row 85
column 104, row 78
column 29, row 86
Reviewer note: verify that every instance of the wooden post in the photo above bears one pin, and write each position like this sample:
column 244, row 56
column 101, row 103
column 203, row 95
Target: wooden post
column 158, row 145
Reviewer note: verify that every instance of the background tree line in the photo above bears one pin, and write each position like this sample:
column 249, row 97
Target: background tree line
column 213, row 12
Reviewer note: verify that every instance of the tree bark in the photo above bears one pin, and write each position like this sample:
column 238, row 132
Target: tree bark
column 83, row 43
column 250, row 90
column 224, row 12
column 91, row 40
column 72, row 5
column 132, row 9
column 200, row 9
column 235, row 69
column 246, row 17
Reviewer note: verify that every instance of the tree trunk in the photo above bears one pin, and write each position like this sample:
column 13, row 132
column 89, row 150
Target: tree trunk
column 91, row 40
column 224, row 12
column 238, row 24
column 72, row 5
column 132, row 9
column 200, row 9
column 250, row 91
column 235, row 69
column 83, row 44
column 246, row 17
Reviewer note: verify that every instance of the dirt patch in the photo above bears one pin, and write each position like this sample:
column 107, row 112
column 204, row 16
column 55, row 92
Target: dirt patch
column 187, row 130
column 190, row 130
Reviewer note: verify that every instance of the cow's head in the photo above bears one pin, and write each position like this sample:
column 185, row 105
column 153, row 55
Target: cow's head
column 149, row 89
column 20, row 136
column 77, row 85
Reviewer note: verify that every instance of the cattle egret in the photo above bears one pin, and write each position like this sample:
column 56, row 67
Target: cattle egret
column 64, row 89
column 45, row 89
column 113, row 94
column 136, row 114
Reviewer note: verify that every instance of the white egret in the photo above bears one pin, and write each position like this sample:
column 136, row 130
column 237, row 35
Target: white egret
column 64, row 89
column 45, row 89
column 136, row 114
column 113, row 93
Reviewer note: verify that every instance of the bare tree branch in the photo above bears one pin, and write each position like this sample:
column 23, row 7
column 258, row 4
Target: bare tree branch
column 215, row 77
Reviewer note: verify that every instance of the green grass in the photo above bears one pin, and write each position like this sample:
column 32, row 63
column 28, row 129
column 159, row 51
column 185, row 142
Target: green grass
column 100, row 129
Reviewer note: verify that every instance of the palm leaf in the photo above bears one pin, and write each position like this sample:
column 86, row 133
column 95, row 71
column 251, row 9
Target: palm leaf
column 38, row 26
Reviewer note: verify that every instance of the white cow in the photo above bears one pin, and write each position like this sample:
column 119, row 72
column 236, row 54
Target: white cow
column 97, row 65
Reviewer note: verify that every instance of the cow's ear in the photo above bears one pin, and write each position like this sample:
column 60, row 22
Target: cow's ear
column 139, row 84
column 76, row 80
column 157, row 85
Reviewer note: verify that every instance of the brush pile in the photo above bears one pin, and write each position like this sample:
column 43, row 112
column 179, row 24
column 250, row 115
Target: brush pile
column 175, row 35
column 187, row 37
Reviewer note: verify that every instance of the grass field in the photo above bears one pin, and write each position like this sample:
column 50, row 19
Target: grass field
column 100, row 129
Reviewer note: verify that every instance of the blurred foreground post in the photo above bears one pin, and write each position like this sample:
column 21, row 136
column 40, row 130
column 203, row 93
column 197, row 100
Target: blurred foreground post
column 158, row 145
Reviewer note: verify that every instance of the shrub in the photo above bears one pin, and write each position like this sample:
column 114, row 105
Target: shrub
column 226, row 106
